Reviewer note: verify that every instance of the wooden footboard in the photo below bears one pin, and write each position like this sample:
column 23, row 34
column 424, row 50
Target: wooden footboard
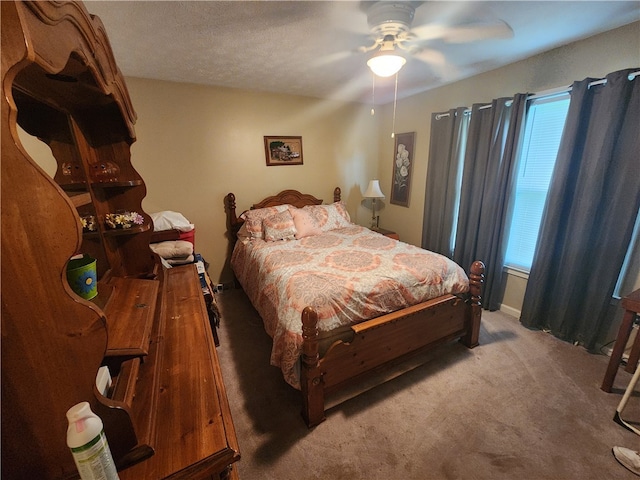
column 383, row 339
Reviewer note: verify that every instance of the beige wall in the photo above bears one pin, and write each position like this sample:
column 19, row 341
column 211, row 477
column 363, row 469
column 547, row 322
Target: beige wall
column 196, row 144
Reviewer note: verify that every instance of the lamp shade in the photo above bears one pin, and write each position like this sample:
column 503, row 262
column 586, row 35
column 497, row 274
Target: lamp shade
column 385, row 64
column 373, row 190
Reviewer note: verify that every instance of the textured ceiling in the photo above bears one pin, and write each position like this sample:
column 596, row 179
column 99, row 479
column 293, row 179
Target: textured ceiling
column 310, row 47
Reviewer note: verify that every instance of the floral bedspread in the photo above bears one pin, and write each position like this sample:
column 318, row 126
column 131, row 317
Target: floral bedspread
column 348, row 275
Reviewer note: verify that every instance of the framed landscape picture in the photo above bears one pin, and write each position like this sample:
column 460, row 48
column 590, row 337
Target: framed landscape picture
column 402, row 168
column 283, row 150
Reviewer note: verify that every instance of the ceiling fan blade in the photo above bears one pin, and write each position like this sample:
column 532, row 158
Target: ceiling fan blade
column 423, row 33
column 430, row 56
column 331, row 58
column 463, row 33
column 350, row 45
column 473, row 32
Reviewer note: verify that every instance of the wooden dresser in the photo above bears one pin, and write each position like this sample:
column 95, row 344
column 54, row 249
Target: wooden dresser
column 166, row 414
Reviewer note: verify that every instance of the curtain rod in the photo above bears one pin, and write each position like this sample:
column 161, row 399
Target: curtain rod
column 546, row 93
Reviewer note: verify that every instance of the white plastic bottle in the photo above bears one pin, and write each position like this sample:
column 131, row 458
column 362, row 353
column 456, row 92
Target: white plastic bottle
column 88, row 444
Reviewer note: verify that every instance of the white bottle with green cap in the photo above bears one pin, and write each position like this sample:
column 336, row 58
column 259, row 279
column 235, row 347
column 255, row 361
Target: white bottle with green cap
column 88, row 444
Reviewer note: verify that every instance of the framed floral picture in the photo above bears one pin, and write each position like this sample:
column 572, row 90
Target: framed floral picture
column 283, row 150
column 402, row 168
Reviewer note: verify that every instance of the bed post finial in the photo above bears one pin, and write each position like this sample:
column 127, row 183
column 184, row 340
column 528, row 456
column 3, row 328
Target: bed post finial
column 337, row 194
column 310, row 376
column 476, row 279
column 231, row 208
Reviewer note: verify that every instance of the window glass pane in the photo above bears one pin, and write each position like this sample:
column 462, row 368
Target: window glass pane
column 464, row 129
column 543, row 130
column 629, row 279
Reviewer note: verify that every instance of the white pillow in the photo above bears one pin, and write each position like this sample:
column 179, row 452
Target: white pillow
column 168, row 220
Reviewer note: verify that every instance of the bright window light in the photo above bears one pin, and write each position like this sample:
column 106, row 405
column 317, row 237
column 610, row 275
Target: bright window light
column 543, row 130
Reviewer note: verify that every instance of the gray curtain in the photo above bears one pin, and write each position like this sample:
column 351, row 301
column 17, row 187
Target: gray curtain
column 446, row 145
column 487, row 182
column 591, row 207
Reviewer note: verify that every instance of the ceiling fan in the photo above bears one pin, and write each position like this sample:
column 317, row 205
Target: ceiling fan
column 390, row 25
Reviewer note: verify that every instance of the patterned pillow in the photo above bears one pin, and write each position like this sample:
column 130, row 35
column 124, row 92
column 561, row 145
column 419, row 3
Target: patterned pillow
column 243, row 234
column 306, row 225
column 279, row 227
column 328, row 217
column 254, row 218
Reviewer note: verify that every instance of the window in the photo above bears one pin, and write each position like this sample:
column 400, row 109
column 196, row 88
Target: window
column 629, row 279
column 543, row 130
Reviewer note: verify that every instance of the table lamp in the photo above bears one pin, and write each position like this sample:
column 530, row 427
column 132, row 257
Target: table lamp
column 373, row 192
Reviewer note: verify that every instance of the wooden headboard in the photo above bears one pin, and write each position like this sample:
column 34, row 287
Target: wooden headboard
column 290, row 197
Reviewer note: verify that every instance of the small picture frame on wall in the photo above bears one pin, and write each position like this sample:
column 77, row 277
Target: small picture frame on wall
column 283, row 150
column 402, row 168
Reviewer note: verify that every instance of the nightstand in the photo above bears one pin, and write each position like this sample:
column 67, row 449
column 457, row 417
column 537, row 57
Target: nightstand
column 631, row 306
column 387, row 233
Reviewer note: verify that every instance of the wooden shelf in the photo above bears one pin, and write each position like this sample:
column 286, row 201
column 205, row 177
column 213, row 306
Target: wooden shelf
column 74, row 187
column 116, row 232
column 83, row 186
column 130, row 312
column 118, row 184
column 80, row 199
column 124, row 383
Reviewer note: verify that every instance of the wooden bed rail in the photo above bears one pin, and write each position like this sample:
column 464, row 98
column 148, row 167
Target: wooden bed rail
column 384, row 339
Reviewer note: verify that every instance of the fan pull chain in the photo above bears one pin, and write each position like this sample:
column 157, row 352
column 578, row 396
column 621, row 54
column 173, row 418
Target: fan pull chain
column 373, row 94
column 395, row 101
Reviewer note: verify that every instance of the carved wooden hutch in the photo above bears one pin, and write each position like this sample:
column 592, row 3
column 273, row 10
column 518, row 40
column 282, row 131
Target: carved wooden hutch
column 166, row 414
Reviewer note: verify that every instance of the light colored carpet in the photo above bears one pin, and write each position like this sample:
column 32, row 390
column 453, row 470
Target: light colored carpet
column 522, row 405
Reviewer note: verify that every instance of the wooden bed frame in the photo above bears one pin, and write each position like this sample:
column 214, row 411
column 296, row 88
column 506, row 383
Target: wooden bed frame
column 377, row 341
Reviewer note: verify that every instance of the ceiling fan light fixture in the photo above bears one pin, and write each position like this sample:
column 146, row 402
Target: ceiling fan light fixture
column 385, row 64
